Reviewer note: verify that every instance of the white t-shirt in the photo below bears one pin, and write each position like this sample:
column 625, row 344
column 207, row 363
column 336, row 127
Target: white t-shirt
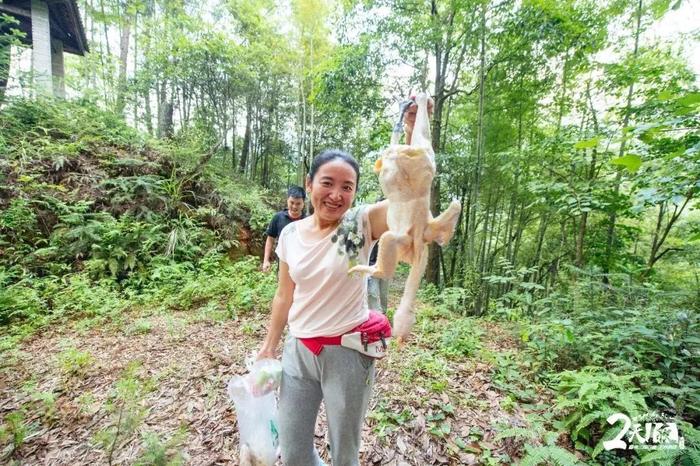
column 327, row 300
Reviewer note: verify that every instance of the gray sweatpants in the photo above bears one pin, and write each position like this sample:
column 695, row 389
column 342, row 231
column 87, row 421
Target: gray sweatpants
column 342, row 378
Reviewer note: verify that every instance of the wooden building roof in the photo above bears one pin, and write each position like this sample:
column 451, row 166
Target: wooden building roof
column 64, row 17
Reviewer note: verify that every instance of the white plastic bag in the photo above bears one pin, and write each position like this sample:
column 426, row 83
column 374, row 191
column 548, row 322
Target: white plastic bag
column 254, row 397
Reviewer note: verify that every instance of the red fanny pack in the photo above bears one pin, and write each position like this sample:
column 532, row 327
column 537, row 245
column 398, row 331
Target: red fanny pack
column 368, row 338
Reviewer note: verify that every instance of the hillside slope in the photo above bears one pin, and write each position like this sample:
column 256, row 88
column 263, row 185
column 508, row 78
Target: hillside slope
column 82, row 193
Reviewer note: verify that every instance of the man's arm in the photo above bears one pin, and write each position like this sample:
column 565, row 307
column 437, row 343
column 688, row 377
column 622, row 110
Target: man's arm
column 272, row 233
column 280, row 313
column 269, row 245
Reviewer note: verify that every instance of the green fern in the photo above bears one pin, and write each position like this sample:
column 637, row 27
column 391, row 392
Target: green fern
column 588, row 397
column 518, row 433
column 661, row 457
column 689, row 456
column 550, row 454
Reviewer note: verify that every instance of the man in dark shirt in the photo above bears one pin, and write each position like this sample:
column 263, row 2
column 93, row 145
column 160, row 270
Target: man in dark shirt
column 294, row 211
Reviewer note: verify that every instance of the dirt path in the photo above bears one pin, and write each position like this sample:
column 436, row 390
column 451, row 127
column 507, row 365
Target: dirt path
column 159, row 382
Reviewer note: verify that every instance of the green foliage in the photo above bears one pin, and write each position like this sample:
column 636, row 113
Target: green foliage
column 43, row 401
column 18, row 229
column 511, row 376
column 446, row 300
column 689, row 455
column 521, row 297
column 157, row 452
column 245, row 200
column 18, row 301
column 552, row 344
column 241, row 285
column 385, row 419
column 139, row 327
column 558, row 160
column 460, row 339
column 10, row 36
column 624, row 327
column 40, row 122
column 118, row 247
column 532, row 433
column 13, row 429
column 82, row 297
column 550, row 454
column 427, row 367
column 589, row 396
column 73, row 362
column 95, row 217
column 127, row 411
column 438, row 423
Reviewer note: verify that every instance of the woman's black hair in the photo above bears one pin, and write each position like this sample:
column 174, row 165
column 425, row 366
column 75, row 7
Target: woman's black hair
column 330, row 155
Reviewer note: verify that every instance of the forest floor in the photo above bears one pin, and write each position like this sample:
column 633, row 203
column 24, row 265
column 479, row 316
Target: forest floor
column 152, row 387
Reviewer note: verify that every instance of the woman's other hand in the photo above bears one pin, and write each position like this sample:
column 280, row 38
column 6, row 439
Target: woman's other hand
column 266, row 353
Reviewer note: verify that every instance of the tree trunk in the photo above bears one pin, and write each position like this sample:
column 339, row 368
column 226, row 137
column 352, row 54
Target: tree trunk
column 107, row 77
column 442, row 56
column 660, row 236
column 233, row 135
column 612, row 218
column 245, row 150
column 562, row 97
column 124, row 36
column 136, row 58
column 305, row 164
column 165, row 112
column 540, row 239
column 471, row 254
column 147, row 109
column 459, row 239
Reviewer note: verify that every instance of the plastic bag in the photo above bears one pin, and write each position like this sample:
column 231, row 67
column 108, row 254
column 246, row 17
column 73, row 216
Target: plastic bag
column 254, row 397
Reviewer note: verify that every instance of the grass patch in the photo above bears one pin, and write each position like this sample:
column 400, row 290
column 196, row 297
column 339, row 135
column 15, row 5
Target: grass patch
column 73, row 362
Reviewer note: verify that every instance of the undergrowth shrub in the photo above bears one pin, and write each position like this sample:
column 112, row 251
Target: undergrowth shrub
column 446, row 300
column 18, row 230
column 240, row 285
column 160, row 452
column 73, row 362
column 688, row 456
column 81, row 296
column 19, row 300
column 623, row 327
column 62, row 120
column 589, row 396
column 461, row 338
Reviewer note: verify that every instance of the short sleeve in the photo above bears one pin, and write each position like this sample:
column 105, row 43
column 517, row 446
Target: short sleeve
column 283, row 244
column 273, row 227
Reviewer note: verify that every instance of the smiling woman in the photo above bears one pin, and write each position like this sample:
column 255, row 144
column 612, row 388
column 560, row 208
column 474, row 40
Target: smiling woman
column 332, row 184
column 322, row 304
